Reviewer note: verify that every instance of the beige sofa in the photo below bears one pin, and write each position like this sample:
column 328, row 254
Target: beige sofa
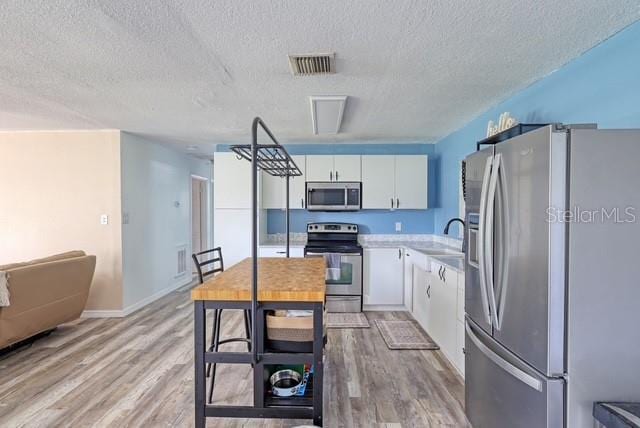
column 44, row 293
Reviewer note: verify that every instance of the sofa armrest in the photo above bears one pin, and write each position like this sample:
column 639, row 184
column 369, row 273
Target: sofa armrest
column 41, row 285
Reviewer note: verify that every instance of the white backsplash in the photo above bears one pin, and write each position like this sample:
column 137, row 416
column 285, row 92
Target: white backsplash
column 280, row 238
column 421, row 237
column 301, row 239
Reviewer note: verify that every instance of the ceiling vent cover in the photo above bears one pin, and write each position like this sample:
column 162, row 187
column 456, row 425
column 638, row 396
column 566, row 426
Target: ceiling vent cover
column 307, row 65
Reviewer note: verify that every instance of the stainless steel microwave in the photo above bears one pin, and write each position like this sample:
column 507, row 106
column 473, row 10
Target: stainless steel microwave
column 334, row 196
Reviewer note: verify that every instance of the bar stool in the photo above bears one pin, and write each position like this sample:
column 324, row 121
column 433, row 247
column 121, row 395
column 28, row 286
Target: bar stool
column 201, row 260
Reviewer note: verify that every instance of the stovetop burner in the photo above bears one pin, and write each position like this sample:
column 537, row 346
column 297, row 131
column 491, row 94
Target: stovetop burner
column 333, row 237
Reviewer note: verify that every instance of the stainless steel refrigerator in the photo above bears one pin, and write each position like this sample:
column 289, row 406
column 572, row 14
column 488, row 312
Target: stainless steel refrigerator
column 552, row 292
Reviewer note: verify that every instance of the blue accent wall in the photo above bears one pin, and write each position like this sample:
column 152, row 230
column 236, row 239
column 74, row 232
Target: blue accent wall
column 602, row 86
column 371, row 221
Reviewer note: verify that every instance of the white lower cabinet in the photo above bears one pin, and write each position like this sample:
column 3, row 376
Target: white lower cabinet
column 269, row 251
column 438, row 306
column 421, row 296
column 407, row 280
column 459, row 354
column 445, row 294
column 383, row 276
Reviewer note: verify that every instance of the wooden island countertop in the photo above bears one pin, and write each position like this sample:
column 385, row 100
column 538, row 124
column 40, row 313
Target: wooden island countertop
column 279, row 280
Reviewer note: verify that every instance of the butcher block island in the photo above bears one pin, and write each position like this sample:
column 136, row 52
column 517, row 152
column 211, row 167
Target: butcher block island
column 279, row 280
column 283, row 284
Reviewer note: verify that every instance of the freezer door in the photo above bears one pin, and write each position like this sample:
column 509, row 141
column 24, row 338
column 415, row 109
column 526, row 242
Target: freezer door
column 478, row 171
column 501, row 391
column 528, row 188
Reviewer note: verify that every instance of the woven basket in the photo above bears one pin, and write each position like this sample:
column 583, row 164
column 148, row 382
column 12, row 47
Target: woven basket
column 290, row 329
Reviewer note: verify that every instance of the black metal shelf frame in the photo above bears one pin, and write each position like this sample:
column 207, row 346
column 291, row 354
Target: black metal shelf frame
column 274, row 160
column 514, row 131
column 264, row 405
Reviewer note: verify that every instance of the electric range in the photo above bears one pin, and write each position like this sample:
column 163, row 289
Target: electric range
column 338, row 244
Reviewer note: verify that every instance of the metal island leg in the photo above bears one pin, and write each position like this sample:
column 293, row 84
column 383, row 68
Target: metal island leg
column 318, row 364
column 200, row 380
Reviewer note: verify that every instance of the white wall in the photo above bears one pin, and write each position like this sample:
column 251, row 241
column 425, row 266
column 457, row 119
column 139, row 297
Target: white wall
column 156, row 206
column 54, row 186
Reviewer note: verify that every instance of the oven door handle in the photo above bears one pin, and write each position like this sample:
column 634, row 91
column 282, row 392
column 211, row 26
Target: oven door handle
column 322, row 253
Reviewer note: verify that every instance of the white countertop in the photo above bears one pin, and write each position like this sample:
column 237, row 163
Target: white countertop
column 442, row 253
column 282, row 244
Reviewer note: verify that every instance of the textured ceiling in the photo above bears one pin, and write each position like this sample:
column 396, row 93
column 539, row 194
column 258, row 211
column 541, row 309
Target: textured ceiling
column 198, row 71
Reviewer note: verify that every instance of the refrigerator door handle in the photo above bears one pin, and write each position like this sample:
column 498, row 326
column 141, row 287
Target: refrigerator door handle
column 514, row 371
column 481, row 238
column 504, row 261
column 488, row 241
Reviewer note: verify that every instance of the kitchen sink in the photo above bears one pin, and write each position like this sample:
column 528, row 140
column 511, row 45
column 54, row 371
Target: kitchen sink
column 440, row 252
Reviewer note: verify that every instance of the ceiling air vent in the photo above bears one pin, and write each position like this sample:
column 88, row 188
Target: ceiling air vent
column 306, row 65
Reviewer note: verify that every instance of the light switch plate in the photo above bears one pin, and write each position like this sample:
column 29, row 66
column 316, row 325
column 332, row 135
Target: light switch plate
column 398, row 226
column 104, row 219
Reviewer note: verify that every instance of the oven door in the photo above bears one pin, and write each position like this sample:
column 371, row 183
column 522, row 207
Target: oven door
column 344, row 272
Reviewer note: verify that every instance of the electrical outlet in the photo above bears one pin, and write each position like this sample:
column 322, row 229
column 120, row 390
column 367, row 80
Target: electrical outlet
column 104, row 219
column 398, row 226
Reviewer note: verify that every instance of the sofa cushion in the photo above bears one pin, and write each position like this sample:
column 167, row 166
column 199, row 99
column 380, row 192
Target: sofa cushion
column 61, row 256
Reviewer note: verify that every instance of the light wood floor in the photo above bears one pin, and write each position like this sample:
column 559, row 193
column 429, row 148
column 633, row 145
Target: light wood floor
column 138, row 372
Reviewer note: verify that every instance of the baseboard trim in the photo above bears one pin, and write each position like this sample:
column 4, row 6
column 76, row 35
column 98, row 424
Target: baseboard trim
column 114, row 313
column 400, row 308
column 121, row 313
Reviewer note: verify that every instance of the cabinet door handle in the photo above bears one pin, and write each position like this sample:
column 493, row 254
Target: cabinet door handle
column 399, row 253
column 391, row 203
column 429, row 291
column 444, row 271
column 301, row 202
column 281, row 252
column 336, row 175
column 397, row 203
column 440, row 272
column 330, row 175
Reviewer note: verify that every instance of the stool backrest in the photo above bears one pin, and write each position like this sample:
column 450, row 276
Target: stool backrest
column 205, row 258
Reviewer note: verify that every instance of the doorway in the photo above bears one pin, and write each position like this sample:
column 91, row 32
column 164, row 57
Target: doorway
column 199, row 214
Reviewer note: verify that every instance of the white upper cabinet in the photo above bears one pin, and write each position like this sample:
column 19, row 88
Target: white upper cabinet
column 297, row 185
column 333, row 168
column 346, row 168
column 394, row 182
column 274, row 189
column 378, row 188
column 411, row 174
column 231, row 181
column 319, row 167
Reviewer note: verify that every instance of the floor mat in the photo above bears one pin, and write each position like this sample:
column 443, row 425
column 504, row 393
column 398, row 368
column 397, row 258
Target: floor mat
column 399, row 334
column 347, row 320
